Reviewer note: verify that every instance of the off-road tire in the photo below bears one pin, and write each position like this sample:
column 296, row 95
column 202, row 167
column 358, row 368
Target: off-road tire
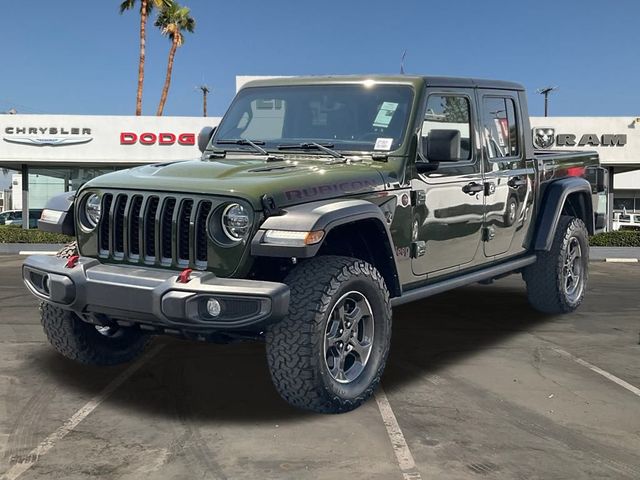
column 81, row 341
column 545, row 277
column 296, row 345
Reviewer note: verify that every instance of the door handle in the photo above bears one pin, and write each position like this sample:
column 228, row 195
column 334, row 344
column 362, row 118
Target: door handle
column 516, row 182
column 473, row 188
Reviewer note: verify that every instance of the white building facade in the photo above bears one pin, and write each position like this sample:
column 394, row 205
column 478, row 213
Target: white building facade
column 617, row 141
column 58, row 153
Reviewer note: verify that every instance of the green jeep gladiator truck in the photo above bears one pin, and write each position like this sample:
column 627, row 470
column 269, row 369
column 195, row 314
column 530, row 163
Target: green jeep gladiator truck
column 318, row 205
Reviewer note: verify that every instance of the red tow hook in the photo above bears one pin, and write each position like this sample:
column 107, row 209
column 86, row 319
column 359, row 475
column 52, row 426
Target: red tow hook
column 73, row 261
column 185, row 275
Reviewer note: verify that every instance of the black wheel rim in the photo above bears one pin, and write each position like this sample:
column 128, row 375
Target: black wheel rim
column 512, row 212
column 107, row 331
column 348, row 337
column 573, row 270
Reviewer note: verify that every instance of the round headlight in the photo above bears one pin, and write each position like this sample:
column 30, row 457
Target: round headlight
column 236, row 222
column 93, row 210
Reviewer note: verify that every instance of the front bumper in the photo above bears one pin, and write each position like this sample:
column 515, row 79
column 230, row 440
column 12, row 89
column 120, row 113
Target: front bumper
column 153, row 297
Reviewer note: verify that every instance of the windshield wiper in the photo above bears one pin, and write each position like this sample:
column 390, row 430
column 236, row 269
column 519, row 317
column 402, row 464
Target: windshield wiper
column 243, row 141
column 253, row 144
column 312, row 146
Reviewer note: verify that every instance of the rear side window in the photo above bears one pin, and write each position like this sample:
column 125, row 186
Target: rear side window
column 500, row 128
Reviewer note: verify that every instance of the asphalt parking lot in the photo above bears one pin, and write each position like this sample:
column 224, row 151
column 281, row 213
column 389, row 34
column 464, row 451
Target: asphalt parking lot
column 481, row 386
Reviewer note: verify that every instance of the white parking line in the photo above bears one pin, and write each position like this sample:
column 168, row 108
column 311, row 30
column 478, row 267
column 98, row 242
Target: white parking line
column 398, row 442
column 621, row 260
column 633, row 389
column 48, row 443
column 35, row 252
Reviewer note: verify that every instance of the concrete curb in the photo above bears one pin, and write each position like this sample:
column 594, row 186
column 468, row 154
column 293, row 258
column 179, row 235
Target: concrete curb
column 18, row 248
column 615, row 254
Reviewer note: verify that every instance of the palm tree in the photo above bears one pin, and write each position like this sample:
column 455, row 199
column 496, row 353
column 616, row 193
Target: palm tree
column 172, row 20
column 145, row 8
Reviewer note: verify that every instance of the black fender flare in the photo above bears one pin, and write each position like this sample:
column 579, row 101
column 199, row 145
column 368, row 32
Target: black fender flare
column 61, row 216
column 323, row 215
column 554, row 199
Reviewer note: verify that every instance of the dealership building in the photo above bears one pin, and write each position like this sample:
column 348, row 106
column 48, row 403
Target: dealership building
column 56, row 153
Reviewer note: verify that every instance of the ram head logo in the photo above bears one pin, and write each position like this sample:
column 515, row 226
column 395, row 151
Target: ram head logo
column 544, row 137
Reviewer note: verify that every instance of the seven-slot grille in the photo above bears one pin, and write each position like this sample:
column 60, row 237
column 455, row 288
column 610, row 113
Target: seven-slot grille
column 155, row 229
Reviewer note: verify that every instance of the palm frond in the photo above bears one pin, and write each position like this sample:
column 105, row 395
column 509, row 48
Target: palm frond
column 127, row 5
column 173, row 19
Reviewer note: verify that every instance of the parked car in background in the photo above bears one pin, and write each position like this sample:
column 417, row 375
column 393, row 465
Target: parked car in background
column 626, row 221
column 14, row 217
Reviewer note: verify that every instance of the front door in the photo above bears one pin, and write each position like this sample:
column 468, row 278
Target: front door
column 509, row 176
column 448, row 203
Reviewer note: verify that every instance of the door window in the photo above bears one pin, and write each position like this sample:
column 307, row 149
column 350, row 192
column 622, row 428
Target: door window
column 448, row 113
column 499, row 128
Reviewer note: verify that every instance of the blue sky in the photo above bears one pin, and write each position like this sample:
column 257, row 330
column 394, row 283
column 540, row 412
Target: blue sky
column 80, row 57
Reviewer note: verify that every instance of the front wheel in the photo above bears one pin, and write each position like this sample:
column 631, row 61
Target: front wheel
column 557, row 282
column 328, row 354
column 87, row 343
column 84, row 342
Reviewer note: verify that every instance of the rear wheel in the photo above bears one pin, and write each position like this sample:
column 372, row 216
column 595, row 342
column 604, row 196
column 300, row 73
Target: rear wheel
column 328, row 354
column 84, row 342
column 557, row 282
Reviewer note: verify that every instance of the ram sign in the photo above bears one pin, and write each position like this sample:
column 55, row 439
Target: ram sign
column 616, row 139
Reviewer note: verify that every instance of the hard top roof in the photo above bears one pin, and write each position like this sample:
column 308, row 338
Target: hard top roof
column 431, row 81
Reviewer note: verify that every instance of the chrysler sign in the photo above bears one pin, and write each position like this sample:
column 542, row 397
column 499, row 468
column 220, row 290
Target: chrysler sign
column 47, row 136
column 546, row 137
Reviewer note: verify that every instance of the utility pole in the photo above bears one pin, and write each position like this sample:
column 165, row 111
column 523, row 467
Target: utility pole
column 205, row 91
column 546, row 91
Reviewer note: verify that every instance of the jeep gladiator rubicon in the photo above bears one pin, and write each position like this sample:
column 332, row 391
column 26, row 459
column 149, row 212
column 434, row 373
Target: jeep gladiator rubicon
column 318, row 205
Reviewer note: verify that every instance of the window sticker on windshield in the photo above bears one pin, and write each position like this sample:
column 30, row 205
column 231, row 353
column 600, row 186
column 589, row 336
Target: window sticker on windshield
column 385, row 114
column 383, row 144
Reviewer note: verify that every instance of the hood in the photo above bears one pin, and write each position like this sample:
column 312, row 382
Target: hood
column 288, row 182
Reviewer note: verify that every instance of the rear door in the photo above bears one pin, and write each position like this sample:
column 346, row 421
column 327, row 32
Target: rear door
column 508, row 175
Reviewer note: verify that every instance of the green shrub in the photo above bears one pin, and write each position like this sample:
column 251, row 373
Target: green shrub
column 16, row 234
column 621, row 238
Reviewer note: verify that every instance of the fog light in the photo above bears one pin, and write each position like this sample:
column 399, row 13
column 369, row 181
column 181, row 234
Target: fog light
column 213, row 307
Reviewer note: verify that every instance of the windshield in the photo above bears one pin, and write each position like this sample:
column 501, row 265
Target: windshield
column 355, row 117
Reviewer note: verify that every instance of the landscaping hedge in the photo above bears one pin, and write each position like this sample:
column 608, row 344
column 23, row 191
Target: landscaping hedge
column 621, row 238
column 16, row 234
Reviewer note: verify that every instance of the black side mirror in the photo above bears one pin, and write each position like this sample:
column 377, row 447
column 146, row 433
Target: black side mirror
column 204, row 137
column 443, row 146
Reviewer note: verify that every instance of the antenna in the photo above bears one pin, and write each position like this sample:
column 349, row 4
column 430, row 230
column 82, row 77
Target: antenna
column 205, row 91
column 546, row 91
column 404, row 54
